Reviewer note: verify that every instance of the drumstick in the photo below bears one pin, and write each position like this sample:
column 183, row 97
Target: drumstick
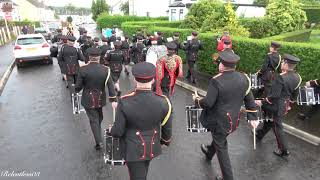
column 254, row 138
column 113, row 114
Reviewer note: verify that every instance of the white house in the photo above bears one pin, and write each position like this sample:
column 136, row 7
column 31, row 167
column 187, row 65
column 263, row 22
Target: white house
column 178, row 9
column 151, row 8
column 115, row 6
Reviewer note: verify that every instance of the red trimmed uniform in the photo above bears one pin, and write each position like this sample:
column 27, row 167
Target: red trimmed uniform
column 168, row 69
column 140, row 131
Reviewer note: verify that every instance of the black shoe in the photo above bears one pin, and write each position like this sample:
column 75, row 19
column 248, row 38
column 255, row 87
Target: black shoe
column 281, row 153
column 302, row 116
column 204, row 149
column 219, row 178
column 99, row 146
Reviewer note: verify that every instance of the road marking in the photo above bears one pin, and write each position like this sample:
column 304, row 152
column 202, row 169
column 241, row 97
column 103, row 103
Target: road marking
column 6, row 75
column 287, row 128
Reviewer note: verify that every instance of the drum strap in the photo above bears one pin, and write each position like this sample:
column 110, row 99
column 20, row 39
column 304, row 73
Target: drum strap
column 278, row 62
column 300, row 80
column 108, row 76
column 249, row 81
column 168, row 114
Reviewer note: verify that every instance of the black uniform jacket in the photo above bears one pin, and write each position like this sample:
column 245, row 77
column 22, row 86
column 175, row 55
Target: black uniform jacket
column 138, row 52
column 104, row 48
column 192, row 47
column 284, row 89
column 115, row 59
column 68, row 58
column 270, row 66
column 221, row 106
column 161, row 40
column 143, row 121
column 93, row 79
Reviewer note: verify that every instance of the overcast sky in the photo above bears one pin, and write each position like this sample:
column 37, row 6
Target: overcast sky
column 78, row 3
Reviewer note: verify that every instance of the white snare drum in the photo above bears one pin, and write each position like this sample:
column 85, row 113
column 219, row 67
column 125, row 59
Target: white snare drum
column 307, row 96
column 255, row 82
column 76, row 103
column 113, row 153
column 193, row 120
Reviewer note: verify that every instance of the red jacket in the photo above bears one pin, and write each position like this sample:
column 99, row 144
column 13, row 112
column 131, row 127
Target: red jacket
column 221, row 43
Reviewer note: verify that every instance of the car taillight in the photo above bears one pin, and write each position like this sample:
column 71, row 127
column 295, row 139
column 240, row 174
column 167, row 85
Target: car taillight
column 17, row 47
column 45, row 45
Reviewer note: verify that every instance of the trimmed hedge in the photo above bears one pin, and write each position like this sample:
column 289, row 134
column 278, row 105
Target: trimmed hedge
column 258, row 27
column 295, row 36
column 105, row 20
column 21, row 23
column 313, row 14
column 172, row 24
column 251, row 51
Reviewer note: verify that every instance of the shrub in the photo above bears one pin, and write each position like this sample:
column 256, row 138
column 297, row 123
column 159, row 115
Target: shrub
column 295, row 36
column 105, row 20
column 251, row 51
column 313, row 14
column 286, row 15
column 258, row 27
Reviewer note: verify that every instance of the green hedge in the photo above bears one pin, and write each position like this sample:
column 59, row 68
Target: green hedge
column 21, row 23
column 105, row 20
column 313, row 14
column 148, row 24
column 295, row 36
column 251, row 51
column 258, row 27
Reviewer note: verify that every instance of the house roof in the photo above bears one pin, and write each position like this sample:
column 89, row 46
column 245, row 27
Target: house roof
column 36, row 3
column 177, row 4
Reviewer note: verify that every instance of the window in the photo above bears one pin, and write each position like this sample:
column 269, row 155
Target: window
column 173, row 14
column 181, row 14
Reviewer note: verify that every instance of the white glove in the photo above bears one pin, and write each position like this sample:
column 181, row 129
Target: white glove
column 254, row 124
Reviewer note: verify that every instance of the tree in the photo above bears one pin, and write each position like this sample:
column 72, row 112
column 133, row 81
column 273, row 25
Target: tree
column 124, row 7
column 286, row 15
column 69, row 19
column 70, row 8
column 227, row 22
column 200, row 11
column 261, row 2
column 98, row 7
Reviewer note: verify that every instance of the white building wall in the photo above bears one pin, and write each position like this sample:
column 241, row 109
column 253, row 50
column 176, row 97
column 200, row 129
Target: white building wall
column 152, row 8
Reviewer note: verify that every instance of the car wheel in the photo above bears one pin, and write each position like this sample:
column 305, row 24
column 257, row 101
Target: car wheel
column 19, row 65
column 50, row 61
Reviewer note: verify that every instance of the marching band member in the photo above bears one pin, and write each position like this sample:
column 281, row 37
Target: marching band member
column 176, row 41
column 160, row 39
column 69, row 57
column 221, row 109
column 168, row 69
column 141, row 131
column 126, row 52
column 284, row 89
column 114, row 59
column 104, row 48
column 270, row 67
column 96, row 42
column 93, row 79
column 138, row 51
column 192, row 47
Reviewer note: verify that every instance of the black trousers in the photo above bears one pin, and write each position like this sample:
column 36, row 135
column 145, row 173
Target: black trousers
column 138, row 170
column 277, row 127
column 95, row 117
column 219, row 146
column 190, row 73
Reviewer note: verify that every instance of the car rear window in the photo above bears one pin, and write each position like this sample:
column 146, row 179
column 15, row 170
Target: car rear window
column 30, row 40
column 40, row 31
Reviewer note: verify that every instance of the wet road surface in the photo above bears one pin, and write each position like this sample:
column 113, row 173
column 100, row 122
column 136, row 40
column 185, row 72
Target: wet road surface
column 39, row 133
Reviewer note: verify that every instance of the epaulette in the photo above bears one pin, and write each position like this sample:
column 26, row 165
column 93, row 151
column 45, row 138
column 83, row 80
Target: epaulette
column 216, row 76
column 128, row 95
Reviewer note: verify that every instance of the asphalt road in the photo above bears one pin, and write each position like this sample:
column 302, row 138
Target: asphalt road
column 39, row 133
column 6, row 52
